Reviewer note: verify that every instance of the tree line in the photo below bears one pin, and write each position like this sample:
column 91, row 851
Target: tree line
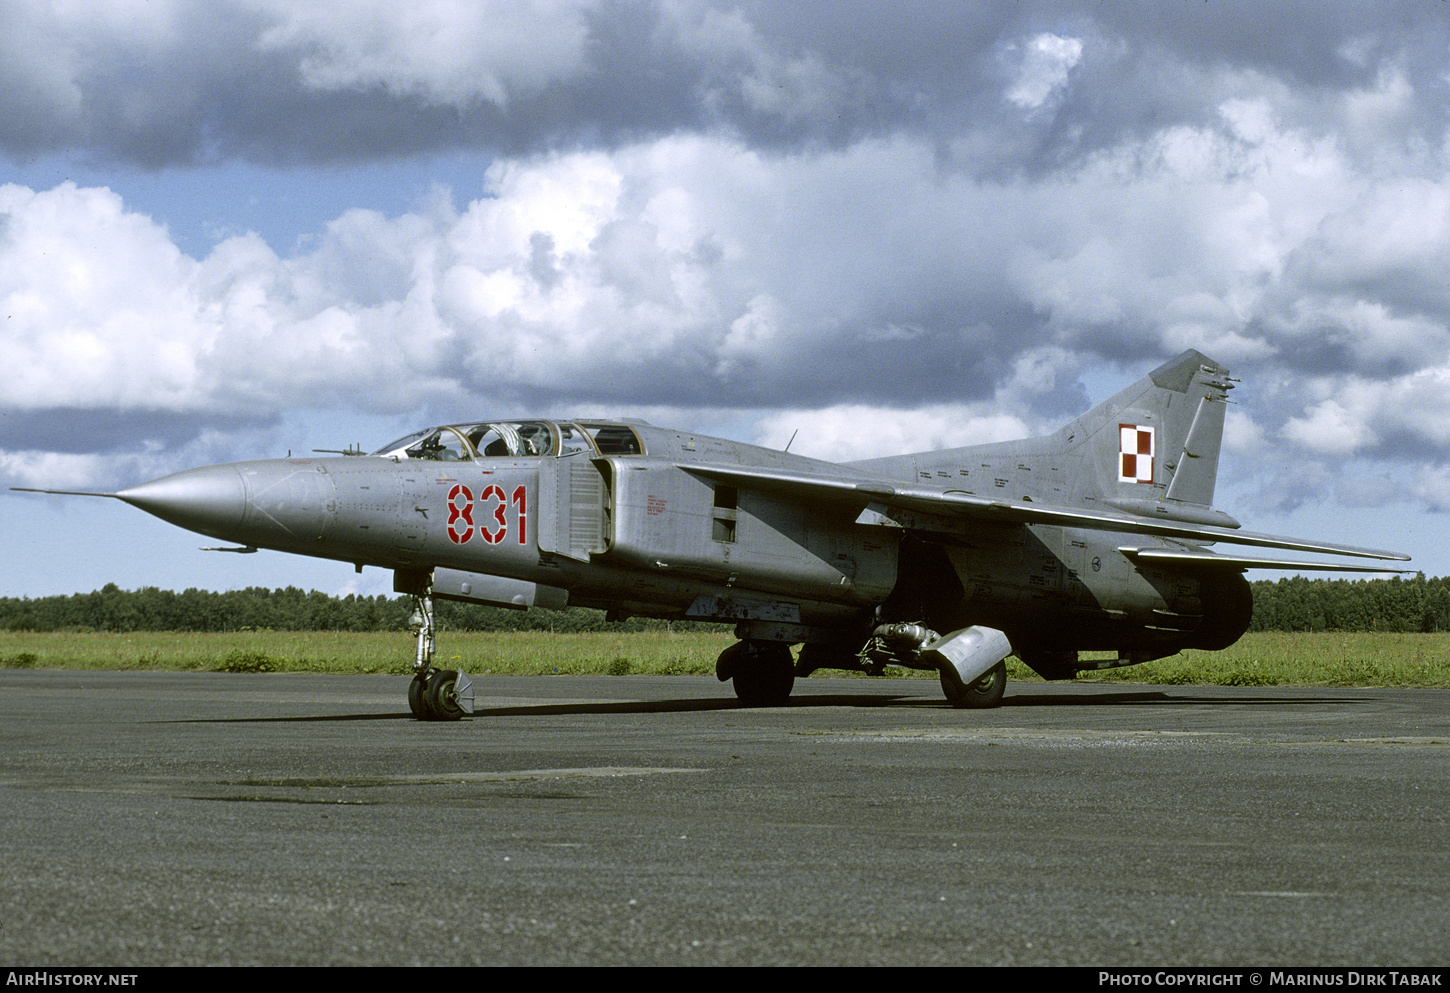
column 1292, row 604
column 1398, row 604
column 257, row 608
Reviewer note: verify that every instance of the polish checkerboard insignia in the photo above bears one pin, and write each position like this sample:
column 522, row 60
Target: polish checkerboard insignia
column 1135, row 454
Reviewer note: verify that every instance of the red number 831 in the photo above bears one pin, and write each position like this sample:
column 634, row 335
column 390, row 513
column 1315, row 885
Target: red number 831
column 494, row 524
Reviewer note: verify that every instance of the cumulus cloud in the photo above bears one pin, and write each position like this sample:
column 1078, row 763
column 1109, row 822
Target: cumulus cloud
column 1330, row 429
column 845, row 433
column 1042, row 64
column 95, row 304
column 940, row 223
column 452, row 52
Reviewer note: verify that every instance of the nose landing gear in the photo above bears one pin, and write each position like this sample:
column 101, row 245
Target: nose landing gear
column 434, row 694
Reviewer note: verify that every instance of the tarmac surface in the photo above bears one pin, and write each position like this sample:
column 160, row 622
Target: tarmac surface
column 211, row 819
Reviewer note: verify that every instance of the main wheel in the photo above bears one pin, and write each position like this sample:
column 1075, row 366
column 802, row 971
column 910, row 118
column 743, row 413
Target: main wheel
column 440, row 696
column 986, row 691
column 763, row 674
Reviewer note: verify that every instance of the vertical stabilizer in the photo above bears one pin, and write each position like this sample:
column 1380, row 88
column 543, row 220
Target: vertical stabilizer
column 1155, row 446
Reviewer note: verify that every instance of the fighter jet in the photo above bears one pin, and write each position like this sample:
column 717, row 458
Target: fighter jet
column 1093, row 539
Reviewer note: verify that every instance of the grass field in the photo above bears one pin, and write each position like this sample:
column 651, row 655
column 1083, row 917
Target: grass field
column 1270, row 659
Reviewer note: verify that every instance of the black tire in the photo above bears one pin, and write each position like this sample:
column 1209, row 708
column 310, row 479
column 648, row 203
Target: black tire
column 727, row 664
column 985, row 693
column 440, row 696
column 417, row 701
column 764, row 674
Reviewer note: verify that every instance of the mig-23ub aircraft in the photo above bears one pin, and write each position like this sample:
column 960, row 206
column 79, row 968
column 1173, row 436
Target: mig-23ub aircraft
column 1092, row 539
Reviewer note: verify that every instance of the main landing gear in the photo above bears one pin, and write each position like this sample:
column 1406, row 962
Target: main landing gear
column 762, row 671
column 434, row 694
column 983, row 692
column 971, row 663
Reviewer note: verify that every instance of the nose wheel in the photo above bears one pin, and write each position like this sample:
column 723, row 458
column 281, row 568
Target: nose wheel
column 435, row 694
column 441, row 695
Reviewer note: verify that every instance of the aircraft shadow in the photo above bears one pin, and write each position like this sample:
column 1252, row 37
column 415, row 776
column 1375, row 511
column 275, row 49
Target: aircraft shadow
column 863, row 701
column 1167, row 699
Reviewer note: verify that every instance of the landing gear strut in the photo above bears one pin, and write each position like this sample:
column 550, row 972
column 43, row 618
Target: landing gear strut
column 434, row 694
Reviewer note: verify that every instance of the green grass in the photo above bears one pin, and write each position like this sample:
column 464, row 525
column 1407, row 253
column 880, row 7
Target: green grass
column 516, row 652
column 1306, row 659
column 1270, row 659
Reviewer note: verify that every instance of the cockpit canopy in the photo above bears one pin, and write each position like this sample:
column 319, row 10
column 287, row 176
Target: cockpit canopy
column 514, row 439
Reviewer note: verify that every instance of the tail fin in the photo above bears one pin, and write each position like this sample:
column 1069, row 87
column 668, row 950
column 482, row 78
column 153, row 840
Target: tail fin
column 1155, row 445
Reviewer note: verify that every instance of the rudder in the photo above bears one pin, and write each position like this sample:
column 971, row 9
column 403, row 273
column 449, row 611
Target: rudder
column 1156, row 444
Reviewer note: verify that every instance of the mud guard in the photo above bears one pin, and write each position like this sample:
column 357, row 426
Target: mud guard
column 965, row 656
column 464, row 689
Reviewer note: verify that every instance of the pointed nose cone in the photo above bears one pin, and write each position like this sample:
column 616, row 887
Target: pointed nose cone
column 211, row 500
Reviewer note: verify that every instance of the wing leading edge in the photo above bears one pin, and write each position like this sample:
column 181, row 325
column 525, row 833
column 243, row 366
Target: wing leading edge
column 892, row 503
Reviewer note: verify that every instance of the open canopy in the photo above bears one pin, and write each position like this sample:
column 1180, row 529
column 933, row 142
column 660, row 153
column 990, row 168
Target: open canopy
column 514, row 439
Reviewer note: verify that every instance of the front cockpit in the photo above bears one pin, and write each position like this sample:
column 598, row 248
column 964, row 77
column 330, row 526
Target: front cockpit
column 514, row 439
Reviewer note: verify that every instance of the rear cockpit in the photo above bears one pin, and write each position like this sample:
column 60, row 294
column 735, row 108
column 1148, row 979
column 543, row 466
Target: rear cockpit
column 515, row 439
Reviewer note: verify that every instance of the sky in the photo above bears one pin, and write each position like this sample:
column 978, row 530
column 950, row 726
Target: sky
column 234, row 229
